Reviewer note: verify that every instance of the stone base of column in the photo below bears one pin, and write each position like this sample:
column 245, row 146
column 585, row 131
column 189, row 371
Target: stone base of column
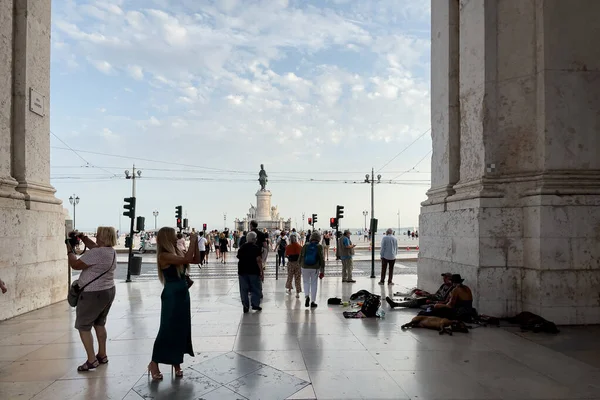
column 541, row 255
column 33, row 262
column 37, row 192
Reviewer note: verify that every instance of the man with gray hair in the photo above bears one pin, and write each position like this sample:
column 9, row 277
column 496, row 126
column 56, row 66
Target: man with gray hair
column 389, row 249
column 250, row 272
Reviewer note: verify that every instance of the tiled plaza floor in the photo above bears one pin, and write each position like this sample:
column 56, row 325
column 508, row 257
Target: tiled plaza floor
column 288, row 351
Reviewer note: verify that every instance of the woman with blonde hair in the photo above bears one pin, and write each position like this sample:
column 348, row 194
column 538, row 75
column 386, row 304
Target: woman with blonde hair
column 97, row 278
column 174, row 337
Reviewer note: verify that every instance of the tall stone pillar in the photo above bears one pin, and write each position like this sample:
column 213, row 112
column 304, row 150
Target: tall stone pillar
column 523, row 223
column 263, row 205
column 33, row 262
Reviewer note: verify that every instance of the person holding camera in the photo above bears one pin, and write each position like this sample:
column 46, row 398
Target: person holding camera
column 174, row 337
column 97, row 266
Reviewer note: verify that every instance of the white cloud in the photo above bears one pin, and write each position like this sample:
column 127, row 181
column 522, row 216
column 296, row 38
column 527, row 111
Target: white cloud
column 109, row 135
column 103, row 66
column 136, row 72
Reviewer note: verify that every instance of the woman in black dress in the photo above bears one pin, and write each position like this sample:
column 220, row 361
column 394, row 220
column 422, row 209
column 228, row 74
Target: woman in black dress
column 224, row 245
column 174, row 337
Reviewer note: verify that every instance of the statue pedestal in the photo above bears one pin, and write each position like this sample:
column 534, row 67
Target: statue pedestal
column 263, row 205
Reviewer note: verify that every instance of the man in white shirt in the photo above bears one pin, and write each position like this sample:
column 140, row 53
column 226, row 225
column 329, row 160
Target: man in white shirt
column 389, row 249
column 202, row 248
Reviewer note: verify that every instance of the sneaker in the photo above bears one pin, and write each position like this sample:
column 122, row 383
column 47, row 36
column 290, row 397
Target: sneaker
column 381, row 282
column 297, row 295
column 307, row 301
column 245, row 310
column 313, row 305
column 351, row 281
column 257, row 308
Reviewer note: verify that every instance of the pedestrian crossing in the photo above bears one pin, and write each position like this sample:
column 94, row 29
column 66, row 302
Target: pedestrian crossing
column 217, row 270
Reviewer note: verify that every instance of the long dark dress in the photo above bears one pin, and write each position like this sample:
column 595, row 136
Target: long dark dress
column 175, row 334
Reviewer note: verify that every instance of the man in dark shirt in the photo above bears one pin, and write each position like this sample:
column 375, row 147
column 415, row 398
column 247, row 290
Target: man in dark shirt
column 261, row 239
column 250, row 272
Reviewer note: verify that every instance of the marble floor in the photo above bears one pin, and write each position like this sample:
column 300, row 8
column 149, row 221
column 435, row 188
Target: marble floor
column 290, row 352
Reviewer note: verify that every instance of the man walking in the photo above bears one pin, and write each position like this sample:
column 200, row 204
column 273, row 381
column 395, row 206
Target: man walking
column 261, row 240
column 389, row 249
column 250, row 273
column 202, row 248
column 346, row 252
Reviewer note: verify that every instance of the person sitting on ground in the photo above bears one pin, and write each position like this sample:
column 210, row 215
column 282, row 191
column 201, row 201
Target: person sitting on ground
column 460, row 300
column 422, row 297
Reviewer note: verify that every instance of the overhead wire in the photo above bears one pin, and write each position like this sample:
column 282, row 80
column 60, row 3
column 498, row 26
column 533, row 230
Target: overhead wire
column 416, row 165
column 88, row 164
column 404, row 149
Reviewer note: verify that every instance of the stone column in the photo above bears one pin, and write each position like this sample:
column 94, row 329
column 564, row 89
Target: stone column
column 263, row 205
column 31, row 100
column 445, row 110
column 32, row 224
column 7, row 182
column 523, row 226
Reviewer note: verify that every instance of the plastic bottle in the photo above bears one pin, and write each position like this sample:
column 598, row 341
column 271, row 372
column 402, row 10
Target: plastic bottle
column 380, row 313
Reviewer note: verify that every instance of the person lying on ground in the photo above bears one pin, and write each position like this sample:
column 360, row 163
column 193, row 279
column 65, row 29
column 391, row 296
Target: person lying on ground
column 423, row 298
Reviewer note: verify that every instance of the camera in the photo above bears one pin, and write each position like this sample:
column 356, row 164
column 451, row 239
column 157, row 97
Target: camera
column 73, row 239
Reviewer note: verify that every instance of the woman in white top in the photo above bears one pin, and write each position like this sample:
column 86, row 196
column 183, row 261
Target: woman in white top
column 99, row 261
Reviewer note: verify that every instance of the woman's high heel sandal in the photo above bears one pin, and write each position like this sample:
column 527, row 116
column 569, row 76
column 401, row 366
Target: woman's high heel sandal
column 178, row 373
column 156, row 376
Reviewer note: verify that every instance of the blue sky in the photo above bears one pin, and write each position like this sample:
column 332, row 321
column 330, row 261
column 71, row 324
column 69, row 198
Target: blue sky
column 206, row 91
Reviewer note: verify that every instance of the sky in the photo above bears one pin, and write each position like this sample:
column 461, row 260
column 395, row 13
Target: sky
column 198, row 94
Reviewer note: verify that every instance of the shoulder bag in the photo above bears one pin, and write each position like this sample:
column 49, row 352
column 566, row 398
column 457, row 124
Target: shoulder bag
column 75, row 291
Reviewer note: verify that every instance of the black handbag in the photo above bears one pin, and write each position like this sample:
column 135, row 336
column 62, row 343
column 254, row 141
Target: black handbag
column 75, row 291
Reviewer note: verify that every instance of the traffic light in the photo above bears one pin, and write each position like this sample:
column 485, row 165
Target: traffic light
column 140, row 223
column 314, row 219
column 185, row 223
column 129, row 207
column 204, row 227
column 309, row 220
column 332, row 222
column 339, row 212
column 179, row 216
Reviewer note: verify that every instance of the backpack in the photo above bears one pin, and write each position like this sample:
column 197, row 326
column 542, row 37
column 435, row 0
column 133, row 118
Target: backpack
column 282, row 244
column 310, row 255
column 371, row 305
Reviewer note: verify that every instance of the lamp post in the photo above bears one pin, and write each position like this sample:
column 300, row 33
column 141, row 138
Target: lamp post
column 135, row 174
column 224, row 220
column 365, row 213
column 371, row 180
column 155, row 213
column 303, row 217
column 74, row 200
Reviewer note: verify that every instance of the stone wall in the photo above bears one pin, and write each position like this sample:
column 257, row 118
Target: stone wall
column 32, row 253
column 514, row 203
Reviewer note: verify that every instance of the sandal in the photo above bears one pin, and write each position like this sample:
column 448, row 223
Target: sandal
column 178, row 372
column 156, row 376
column 87, row 366
column 102, row 360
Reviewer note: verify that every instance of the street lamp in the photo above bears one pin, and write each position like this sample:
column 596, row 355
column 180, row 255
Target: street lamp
column 365, row 213
column 224, row 220
column 74, row 200
column 371, row 180
column 155, row 213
